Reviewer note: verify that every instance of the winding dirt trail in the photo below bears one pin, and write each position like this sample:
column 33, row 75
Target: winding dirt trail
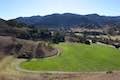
column 10, row 70
column 18, row 68
column 10, row 73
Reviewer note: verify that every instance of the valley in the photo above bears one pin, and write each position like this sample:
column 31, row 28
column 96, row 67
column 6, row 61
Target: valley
column 70, row 49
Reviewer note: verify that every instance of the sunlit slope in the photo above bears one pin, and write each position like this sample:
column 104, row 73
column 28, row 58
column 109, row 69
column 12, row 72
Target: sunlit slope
column 78, row 57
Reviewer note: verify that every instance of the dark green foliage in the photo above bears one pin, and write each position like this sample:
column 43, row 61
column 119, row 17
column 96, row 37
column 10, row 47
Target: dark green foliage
column 116, row 46
column 26, row 55
column 24, row 36
column 109, row 72
column 82, row 39
column 58, row 37
column 87, row 42
column 94, row 41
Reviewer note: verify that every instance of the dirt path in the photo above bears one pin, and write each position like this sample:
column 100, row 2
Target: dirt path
column 18, row 68
column 10, row 73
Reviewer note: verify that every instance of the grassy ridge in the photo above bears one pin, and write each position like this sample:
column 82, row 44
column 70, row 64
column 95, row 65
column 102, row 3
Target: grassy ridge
column 78, row 57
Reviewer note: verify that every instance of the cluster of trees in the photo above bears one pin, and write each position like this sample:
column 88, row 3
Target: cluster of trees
column 35, row 34
column 58, row 37
column 85, row 38
column 43, row 34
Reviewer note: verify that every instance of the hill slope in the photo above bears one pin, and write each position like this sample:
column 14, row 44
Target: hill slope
column 69, row 20
column 78, row 57
column 12, row 28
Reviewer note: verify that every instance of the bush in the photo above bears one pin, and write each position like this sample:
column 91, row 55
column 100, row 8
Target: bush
column 94, row 41
column 109, row 72
column 116, row 46
column 87, row 42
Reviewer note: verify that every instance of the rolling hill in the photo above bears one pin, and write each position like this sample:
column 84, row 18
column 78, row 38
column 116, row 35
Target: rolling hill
column 78, row 57
column 11, row 28
column 70, row 20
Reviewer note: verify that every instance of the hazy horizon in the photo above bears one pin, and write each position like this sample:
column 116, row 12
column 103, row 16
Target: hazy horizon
column 10, row 9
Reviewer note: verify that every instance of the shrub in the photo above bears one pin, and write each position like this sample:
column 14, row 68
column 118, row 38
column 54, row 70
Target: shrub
column 94, row 41
column 18, row 47
column 87, row 42
column 109, row 72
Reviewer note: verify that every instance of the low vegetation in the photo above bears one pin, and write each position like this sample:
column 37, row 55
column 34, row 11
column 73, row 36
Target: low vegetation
column 80, row 51
column 78, row 57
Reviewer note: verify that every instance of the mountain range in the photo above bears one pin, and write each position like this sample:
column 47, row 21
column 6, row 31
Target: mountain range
column 70, row 20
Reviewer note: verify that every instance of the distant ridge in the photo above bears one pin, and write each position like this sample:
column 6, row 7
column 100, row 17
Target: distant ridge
column 69, row 20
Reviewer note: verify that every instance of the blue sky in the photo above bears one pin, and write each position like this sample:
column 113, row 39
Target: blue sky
column 15, row 8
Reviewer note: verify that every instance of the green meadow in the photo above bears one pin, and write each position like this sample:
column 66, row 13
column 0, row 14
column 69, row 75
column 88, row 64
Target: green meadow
column 76, row 57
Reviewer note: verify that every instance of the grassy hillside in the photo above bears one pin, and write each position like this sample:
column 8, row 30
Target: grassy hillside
column 78, row 57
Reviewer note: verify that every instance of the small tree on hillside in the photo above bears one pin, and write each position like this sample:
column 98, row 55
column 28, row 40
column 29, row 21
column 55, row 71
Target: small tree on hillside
column 87, row 42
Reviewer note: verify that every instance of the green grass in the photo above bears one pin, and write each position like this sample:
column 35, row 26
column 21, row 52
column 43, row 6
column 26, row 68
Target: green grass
column 78, row 57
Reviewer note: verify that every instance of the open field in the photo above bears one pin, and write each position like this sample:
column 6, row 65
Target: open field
column 8, row 72
column 78, row 57
column 8, row 69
